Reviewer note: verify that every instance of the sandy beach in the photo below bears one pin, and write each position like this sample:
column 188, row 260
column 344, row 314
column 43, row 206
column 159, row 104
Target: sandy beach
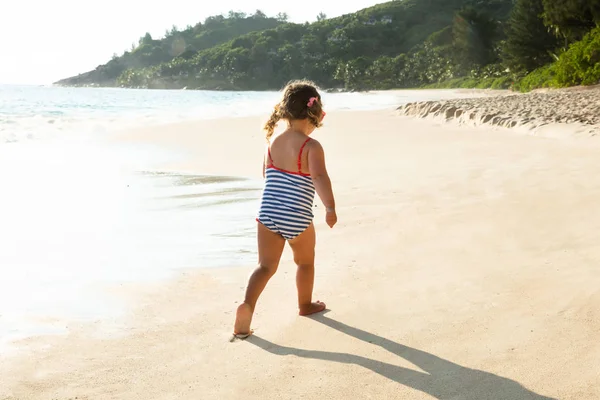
column 561, row 113
column 464, row 266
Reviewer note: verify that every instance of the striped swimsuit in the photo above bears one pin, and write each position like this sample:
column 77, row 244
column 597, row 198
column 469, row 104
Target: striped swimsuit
column 287, row 200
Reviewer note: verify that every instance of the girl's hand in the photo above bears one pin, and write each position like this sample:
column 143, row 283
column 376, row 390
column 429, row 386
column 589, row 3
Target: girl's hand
column 331, row 218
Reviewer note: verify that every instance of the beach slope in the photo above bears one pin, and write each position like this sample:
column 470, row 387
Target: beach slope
column 464, row 266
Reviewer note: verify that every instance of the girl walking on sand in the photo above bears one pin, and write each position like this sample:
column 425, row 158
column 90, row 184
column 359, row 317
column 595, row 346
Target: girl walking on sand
column 293, row 168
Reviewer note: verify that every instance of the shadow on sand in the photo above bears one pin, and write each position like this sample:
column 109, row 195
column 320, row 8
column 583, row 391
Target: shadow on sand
column 443, row 380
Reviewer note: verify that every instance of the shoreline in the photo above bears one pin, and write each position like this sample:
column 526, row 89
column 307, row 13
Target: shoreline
column 277, row 90
column 446, row 237
column 140, row 108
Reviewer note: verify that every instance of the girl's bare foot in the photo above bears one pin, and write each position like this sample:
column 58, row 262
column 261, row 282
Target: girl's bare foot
column 312, row 308
column 243, row 319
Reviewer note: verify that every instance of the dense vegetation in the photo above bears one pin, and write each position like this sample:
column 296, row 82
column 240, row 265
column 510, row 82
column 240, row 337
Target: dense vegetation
column 399, row 44
column 579, row 65
column 577, row 60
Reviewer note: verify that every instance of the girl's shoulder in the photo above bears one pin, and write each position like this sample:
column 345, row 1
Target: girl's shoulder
column 313, row 146
column 313, row 143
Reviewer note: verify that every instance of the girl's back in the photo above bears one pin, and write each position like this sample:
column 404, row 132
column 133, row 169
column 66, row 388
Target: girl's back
column 288, row 152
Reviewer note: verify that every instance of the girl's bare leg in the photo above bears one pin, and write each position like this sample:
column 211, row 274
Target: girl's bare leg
column 304, row 255
column 270, row 248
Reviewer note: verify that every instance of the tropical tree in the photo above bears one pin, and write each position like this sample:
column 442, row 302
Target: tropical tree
column 529, row 42
column 571, row 19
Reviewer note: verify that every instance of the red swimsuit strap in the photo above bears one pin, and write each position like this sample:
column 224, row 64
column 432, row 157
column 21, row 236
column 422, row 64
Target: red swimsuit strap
column 300, row 155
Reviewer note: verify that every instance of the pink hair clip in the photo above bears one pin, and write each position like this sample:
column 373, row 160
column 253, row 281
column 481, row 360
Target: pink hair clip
column 311, row 101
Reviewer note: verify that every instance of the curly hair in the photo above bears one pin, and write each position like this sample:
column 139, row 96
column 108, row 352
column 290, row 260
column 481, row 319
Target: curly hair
column 296, row 104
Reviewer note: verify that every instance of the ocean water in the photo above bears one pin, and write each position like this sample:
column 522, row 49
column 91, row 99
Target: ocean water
column 79, row 216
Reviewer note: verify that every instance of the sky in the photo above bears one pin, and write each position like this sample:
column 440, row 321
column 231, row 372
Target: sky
column 43, row 41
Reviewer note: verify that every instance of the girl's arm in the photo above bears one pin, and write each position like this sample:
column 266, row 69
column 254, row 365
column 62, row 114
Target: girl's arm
column 320, row 178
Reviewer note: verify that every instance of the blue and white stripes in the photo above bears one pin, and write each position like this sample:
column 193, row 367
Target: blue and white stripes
column 287, row 201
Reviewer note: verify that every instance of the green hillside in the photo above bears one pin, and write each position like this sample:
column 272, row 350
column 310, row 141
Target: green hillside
column 368, row 48
column 397, row 44
column 175, row 45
